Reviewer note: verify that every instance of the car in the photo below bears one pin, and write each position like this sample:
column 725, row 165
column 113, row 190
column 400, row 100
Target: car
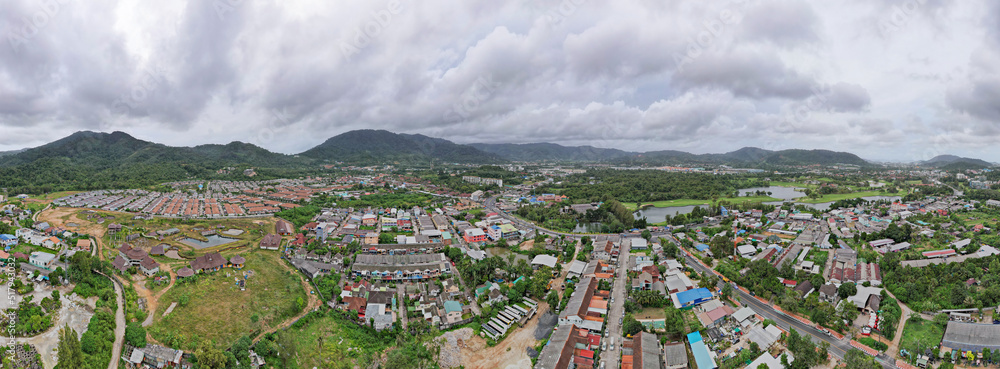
column 612, row 299
column 602, row 365
column 604, row 346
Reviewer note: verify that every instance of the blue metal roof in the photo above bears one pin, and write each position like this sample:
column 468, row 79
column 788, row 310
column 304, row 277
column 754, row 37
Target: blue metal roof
column 700, row 351
column 701, row 247
column 687, row 297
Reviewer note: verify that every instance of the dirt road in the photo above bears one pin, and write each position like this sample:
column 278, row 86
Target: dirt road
column 152, row 301
column 313, row 304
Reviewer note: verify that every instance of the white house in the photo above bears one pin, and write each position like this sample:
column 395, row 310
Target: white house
column 42, row 259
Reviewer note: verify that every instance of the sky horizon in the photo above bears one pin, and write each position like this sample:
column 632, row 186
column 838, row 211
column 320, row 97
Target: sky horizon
column 898, row 81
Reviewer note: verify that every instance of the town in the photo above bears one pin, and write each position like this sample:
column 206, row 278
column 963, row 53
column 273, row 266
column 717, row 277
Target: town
column 770, row 277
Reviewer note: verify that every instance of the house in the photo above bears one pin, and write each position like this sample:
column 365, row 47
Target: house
column 576, row 269
column 675, row 355
column 452, row 311
column 42, row 259
column 51, row 242
column 541, row 260
column 371, row 238
column 369, row 220
column 270, row 242
column 745, row 316
column 208, row 262
column 642, row 282
column 83, row 244
column 8, row 240
column 114, row 228
column 639, row 243
column 828, row 293
column 400, row 267
column 579, row 302
column 747, row 251
column 148, row 266
column 161, row 357
column 642, row 352
column 804, row 288
column 701, row 353
column 474, row 235
column 690, row 298
column 377, row 315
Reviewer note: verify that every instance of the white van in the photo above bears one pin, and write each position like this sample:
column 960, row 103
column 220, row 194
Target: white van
column 612, row 343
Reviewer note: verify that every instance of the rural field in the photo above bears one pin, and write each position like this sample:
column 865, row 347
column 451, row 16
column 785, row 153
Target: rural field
column 327, row 340
column 213, row 307
column 920, row 334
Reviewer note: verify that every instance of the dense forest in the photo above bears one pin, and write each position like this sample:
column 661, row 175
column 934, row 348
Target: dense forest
column 650, row 185
column 944, row 286
column 90, row 161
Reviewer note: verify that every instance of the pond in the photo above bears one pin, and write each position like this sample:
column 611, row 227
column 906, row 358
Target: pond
column 656, row 215
column 213, row 241
column 583, row 227
column 784, row 193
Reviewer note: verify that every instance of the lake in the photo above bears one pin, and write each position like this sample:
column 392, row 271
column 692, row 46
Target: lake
column 213, row 240
column 656, row 215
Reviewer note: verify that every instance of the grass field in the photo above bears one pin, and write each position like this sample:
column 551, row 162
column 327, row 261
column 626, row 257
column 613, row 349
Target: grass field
column 819, row 257
column 53, row 196
column 792, row 184
column 217, row 310
column 920, row 334
column 344, row 343
column 844, row 196
column 692, row 202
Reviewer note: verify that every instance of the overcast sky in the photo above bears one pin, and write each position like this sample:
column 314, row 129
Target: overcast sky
column 887, row 80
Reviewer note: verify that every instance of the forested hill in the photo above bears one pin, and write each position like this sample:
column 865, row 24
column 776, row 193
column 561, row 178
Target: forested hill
column 551, row 152
column 378, row 146
column 747, row 156
column 92, row 160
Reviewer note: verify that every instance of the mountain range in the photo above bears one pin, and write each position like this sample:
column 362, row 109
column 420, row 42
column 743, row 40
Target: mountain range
column 94, row 159
column 955, row 162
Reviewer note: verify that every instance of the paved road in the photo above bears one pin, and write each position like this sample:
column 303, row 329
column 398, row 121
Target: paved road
column 401, row 306
column 838, row 348
column 612, row 355
column 116, row 350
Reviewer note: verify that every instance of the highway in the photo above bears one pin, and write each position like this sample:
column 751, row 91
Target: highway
column 838, row 348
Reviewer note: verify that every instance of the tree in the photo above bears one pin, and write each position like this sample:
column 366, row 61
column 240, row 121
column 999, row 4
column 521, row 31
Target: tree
column 646, row 234
column 70, row 350
column 210, row 357
column 135, row 334
column 727, row 291
column 552, row 299
column 855, row 359
column 631, row 326
column 847, row 290
column 848, row 311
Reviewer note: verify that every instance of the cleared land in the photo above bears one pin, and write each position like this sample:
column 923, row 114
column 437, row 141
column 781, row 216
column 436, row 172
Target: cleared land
column 331, row 341
column 921, row 334
column 214, row 308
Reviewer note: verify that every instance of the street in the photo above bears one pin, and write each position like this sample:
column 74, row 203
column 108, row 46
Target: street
column 612, row 355
column 838, row 348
